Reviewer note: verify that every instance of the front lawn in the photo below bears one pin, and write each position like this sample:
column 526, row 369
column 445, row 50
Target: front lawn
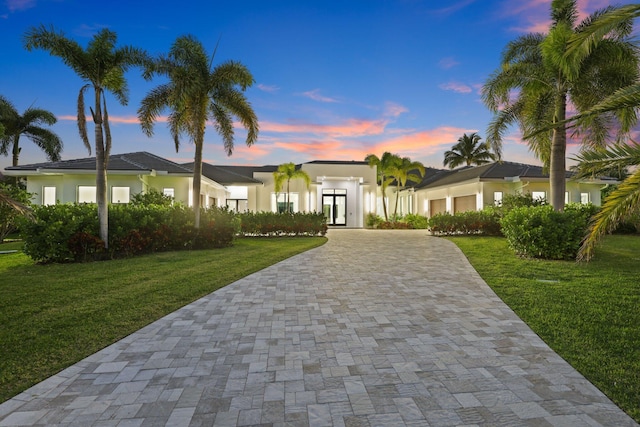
column 52, row 316
column 588, row 313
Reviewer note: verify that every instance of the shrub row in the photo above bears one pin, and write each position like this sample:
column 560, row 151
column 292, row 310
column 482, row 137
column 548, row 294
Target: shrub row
column 70, row 232
column 282, row 224
column 485, row 222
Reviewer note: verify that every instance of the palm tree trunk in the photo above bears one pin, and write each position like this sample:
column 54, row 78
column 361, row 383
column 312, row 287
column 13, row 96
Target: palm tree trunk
column 101, row 172
column 395, row 210
column 287, row 205
column 557, row 161
column 16, row 149
column 197, row 181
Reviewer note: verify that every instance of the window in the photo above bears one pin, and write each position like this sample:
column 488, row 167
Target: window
column 48, row 196
column 86, row 194
column 238, row 205
column 280, row 205
column 119, row 194
column 584, row 198
column 497, row 198
column 539, row 195
column 566, row 197
column 171, row 192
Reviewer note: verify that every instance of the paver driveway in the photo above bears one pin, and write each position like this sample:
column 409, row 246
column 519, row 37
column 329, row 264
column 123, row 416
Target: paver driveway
column 375, row 328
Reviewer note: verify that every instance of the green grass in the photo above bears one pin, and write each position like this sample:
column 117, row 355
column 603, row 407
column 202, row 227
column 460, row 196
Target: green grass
column 52, row 316
column 588, row 313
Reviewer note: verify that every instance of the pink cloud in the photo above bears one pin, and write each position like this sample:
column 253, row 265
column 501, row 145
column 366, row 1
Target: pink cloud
column 14, row 5
column 447, row 63
column 115, row 119
column 315, row 95
column 391, row 109
column 456, row 87
column 268, row 88
column 348, row 128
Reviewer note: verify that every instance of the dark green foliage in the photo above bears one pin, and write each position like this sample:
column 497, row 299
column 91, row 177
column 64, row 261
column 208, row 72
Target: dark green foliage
column 69, row 232
column 282, row 224
column 9, row 214
column 372, row 220
column 511, row 201
column 485, row 222
column 151, row 197
column 542, row 232
column 416, row 221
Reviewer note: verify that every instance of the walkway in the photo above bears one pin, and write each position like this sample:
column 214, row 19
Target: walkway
column 375, row 328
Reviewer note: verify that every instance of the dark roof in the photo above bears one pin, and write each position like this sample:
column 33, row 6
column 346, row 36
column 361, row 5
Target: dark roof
column 336, row 162
column 138, row 162
column 228, row 175
column 497, row 170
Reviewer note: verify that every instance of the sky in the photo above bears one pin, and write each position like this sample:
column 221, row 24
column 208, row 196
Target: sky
column 334, row 79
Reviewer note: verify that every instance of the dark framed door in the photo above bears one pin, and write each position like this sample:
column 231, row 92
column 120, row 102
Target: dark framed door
column 334, row 207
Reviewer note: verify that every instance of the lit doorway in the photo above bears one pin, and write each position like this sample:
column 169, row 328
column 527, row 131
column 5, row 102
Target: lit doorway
column 334, row 206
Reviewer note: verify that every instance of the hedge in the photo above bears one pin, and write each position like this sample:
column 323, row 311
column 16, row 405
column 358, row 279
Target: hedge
column 282, row 224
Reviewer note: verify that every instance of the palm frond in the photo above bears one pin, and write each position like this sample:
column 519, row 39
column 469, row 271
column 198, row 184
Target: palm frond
column 619, row 206
column 596, row 161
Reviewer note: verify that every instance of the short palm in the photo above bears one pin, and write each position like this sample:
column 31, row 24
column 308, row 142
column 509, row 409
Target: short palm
column 403, row 171
column 195, row 93
column 468, row 151
column 383, row 165
column 285, row 173
column 28, row 124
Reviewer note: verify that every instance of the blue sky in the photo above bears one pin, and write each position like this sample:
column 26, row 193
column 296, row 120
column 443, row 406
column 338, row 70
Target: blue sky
column 335, row 80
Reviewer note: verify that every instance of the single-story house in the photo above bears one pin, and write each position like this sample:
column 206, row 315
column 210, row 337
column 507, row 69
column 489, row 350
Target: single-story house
column 476, row 187
column 345, row 191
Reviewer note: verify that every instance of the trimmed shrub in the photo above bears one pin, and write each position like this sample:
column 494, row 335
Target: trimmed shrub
column 394, row 225
column 542, row 232
column 69, row 232
column 9, row 217
column 372, row 220
column 416, row 221
column 282, row 224
column 485, row 222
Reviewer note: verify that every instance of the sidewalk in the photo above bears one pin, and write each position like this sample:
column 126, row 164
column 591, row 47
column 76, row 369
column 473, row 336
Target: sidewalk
column 375, row 328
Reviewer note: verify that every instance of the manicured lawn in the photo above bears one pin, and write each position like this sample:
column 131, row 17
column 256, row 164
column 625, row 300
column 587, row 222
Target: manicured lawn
column 588, row 313
column 52, row 316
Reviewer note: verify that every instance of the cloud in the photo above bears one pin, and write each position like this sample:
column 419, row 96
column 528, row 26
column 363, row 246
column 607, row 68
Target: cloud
column 448, row 62
column 537, row 13
column 114, row 119
column 315, row 95
column 86, row 30
column 268, row 88
column 456, row 87
column 347, row 128
column 17, row 5
column 391, row 109
column 454, row 7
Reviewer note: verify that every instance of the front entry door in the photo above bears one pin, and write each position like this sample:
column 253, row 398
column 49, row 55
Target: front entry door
column 334, row 207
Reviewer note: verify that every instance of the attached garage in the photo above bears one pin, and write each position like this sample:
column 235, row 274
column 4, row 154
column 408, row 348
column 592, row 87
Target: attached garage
column 437, row 206
column 464, row 203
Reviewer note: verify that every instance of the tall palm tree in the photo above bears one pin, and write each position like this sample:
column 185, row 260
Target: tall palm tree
column 382, row 165
column 621, row 204
column 545, row 72
column 285, row 173
column 102, row 67
column 195, row 93
column 27, row 124
column 469, row 150
column 402, row 172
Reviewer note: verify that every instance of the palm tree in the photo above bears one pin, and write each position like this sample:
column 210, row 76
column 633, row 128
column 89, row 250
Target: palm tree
column 469, row 150
column 27, row 124
column 287, row 172
column 546, row 72
column 402, row 172
column 621, row 204
column 102, row 67
column 382, row 165
column 195, row 93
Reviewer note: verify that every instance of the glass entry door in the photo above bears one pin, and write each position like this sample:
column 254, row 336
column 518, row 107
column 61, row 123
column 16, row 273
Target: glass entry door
column 334, row 206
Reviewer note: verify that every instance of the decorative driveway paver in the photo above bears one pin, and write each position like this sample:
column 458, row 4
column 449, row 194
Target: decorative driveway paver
column 375, row 328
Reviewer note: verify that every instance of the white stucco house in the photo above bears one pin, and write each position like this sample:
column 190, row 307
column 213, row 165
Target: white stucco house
column 345, row 191
column 476, row 187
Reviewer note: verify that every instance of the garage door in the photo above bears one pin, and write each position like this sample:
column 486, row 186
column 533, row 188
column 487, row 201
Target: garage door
column 464, row 203
column 437, row 206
